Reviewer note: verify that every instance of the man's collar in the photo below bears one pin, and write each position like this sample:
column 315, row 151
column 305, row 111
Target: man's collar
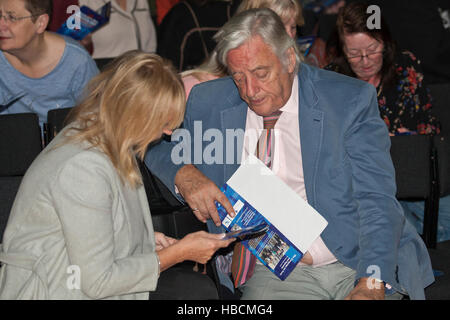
column 291, row 105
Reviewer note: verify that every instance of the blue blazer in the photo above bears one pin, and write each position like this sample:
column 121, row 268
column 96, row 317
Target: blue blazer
column 349, row 175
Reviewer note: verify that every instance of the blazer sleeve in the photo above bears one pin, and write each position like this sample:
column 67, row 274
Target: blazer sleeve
column 381, row 220
column 166, row 158
column 84, row 195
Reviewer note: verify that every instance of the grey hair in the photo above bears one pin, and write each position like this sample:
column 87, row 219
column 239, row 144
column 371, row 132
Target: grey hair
column 250, row 23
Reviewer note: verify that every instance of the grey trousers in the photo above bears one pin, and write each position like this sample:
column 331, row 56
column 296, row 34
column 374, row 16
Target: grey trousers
column 330, row 282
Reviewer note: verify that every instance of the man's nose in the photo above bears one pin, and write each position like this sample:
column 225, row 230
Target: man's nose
column 2, row 22
column 252, row 87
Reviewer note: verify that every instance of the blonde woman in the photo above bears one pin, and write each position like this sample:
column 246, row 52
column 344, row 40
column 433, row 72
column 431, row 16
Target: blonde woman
column 80, row 227
column 290, row 12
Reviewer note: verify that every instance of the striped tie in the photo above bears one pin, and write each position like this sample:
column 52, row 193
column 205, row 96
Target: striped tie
column 243, row 263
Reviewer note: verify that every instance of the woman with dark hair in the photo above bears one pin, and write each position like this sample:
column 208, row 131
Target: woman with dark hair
column 403, row 98
column 371, row 55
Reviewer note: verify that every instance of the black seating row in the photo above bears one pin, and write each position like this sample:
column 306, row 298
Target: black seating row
column 422, row 166
column 20, row 143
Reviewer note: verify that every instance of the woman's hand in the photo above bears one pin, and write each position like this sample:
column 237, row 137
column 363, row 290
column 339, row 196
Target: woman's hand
column 162, row 241
column 200, row 246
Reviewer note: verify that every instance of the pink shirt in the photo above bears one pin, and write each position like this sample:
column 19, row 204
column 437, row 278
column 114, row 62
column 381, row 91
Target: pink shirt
column 190, row 81
column 287, row 162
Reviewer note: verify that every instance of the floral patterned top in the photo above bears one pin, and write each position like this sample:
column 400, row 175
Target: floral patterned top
column 407, row 104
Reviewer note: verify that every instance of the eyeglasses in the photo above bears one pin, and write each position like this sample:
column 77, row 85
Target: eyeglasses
column 9, row 18
column 359, row 57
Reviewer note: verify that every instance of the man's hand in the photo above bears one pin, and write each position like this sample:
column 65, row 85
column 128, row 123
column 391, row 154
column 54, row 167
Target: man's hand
column 201, row 193
column 367, row 289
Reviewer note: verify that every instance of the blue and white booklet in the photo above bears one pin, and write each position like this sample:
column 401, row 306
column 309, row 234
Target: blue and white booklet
column 260, row 198
column 89, row 21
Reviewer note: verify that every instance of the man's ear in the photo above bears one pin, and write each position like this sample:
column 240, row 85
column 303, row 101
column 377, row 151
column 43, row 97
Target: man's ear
column 291, row 59
column 42, row 23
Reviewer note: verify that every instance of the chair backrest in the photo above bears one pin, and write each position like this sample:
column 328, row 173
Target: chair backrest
column 8, row 191
column 411, row 158
column 55, row 123
column 102, row 62
column 20, row 143
column 441, row 105
column 441, row 109
column 442, row 144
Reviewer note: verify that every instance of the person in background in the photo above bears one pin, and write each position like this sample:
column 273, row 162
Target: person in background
column 332, row 150
column 290, row 12
column 82, row 204
column 403, row 98
column 40, row 70
column 320, row 22
column 185, row 35
column 371, row 55
column 130, row 28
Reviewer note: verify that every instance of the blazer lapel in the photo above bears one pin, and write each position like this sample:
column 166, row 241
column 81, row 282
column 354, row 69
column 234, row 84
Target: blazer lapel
column 311, row 131
column 233, row 118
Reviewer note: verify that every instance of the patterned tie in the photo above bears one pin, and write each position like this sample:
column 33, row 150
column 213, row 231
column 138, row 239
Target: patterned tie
column 243, row 263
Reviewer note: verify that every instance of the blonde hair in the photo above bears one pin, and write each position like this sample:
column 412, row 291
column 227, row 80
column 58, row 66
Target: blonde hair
column 284, row 8
column 126, row 108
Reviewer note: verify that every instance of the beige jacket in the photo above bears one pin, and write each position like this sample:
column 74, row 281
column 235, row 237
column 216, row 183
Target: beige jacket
column 130, row 29
column 76, row 232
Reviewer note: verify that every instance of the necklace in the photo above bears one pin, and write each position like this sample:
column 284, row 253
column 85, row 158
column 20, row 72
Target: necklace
column 380, row 89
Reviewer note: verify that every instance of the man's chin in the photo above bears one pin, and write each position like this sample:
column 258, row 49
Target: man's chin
column 263, row 111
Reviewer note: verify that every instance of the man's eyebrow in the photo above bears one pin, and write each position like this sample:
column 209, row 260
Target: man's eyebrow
column 251, row 70
column 259, row 68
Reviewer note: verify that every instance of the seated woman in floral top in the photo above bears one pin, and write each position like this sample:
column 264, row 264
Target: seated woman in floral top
column 403, row 99
column 370, row 55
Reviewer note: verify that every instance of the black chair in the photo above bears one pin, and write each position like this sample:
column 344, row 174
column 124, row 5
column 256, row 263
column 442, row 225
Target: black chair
column 55, row 123
column 20, row 143
column 415, row 162
column 423, row 164
column 102, row 63
column 441, row 109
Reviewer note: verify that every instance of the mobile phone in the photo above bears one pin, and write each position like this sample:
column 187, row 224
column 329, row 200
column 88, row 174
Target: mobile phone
column 247, row 231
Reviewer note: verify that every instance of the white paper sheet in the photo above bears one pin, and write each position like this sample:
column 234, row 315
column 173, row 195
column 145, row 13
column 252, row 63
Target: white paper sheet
column 278, row 203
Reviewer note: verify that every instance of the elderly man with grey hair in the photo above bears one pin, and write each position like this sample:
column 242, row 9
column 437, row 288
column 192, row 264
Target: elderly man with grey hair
column 332, row 150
